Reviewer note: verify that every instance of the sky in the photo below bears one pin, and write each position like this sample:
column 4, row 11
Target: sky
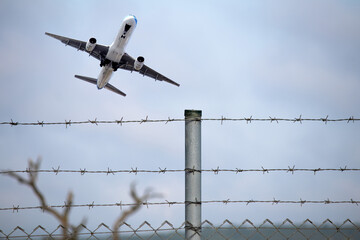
column 234, row 59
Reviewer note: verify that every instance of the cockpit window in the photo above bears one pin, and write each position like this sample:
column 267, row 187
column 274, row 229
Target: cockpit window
column 127, row 27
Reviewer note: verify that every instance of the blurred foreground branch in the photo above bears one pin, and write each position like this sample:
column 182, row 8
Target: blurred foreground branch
column 138, row 202
column 69, row 231
column 63, row 217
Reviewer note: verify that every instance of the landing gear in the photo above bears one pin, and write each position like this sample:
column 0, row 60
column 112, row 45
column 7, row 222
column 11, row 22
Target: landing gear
column 104, row 62
column 115, row 66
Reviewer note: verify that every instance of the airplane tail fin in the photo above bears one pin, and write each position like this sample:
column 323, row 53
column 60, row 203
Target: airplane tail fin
column 107, row 86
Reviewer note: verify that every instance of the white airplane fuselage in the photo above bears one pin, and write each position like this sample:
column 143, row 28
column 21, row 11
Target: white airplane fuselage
column 117, row 49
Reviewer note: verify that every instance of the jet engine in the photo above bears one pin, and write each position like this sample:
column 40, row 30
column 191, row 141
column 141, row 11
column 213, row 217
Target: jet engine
column 139, row 62
column 90, row 45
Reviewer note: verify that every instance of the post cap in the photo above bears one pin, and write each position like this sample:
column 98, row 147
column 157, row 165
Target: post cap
column 193, row 113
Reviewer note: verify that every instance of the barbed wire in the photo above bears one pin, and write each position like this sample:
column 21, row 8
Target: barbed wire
column 172, row 203
column 216, row 171
column 121, row 121
column 208, row 230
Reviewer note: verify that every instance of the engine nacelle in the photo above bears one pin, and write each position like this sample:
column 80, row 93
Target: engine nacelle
column 90, row 45
column 139, row 63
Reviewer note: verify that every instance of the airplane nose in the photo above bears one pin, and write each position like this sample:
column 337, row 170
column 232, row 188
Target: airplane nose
column 135, row 19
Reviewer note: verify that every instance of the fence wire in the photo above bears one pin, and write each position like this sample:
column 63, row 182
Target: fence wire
column 226, row 230
column 147, row 120
column 216, row 171
column 301, row 202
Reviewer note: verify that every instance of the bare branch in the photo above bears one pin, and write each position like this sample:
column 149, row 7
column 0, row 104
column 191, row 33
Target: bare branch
column 31, row 182
column 63, row 217
column 138, row 202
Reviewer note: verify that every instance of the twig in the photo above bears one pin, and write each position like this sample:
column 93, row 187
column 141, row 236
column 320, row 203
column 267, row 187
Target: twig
column 63, row 218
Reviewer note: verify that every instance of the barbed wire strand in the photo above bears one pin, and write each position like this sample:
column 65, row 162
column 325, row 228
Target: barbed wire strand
column 216, row 171
column 15, row 208
column 250, row 119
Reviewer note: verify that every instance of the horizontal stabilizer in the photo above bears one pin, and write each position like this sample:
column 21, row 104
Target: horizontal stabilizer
column 107, row 86
column 87, row 79
column 114, row 89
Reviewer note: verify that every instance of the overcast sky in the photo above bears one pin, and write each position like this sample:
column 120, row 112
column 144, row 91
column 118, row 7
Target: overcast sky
column 232, row 58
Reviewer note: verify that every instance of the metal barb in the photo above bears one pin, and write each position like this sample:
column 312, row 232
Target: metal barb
column 170, row 203
column 264, row 170
column 16, row 208
column 250, row 201
column 325, row 119
column 298, row 119
column 134, row 171
column 162, row 170
column 42, row 209
column 316, row 170
column 192, row 170
column 275, row 201
column 93, row 122
column 291, row 169
column 248, row 120
column 273, row 119
column 67, row 123
column 66, row 205
column 351, row 119
column 144, row 120
column 110, row 171
column 216, row 171
column 226, row 201
column 169, row 120
column 120, row 121
column 12, row 123
column 353, row 202
column 222, row 119
column 56, row 171
column 91, row 205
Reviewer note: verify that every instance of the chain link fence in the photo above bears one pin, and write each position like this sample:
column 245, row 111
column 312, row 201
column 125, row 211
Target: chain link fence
column 227, row 230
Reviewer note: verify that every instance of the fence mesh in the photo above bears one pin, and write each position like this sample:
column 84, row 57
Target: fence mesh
column 227, row 230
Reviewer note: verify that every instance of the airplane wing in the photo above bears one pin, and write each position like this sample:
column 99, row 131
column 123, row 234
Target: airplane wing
column 127, row 63
column 99, row 51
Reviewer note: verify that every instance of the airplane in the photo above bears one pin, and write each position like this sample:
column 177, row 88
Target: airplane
column 113, row 57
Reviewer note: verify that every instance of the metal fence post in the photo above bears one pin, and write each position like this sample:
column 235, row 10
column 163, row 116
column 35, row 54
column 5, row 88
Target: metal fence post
column 193, row 174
